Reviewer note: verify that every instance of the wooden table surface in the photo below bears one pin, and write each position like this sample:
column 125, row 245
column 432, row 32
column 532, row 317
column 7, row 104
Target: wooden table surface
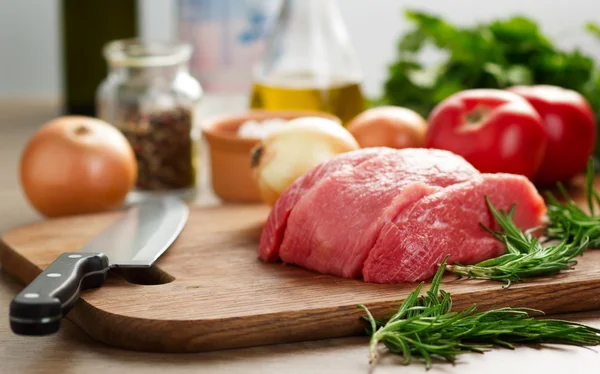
column 71, row 351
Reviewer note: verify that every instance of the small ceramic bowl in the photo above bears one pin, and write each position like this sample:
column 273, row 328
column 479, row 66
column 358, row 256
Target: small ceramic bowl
column 231, row 174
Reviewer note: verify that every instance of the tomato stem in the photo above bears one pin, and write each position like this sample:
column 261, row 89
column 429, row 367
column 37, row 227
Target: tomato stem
column 477, row 115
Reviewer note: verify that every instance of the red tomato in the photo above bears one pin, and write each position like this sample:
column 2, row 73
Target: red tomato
column 571, row 129
column 495, row 130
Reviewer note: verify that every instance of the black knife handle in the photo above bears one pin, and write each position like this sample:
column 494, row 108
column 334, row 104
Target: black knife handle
column 38, row 309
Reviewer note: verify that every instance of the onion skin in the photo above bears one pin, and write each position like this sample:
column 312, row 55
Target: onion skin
column 287, row 154
column 389, row 126
column 76, row 165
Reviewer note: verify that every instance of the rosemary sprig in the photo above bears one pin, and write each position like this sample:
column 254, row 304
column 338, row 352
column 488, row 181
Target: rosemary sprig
column 569, row 228
column 564, row 219
column 525, row 255
column 426, row 328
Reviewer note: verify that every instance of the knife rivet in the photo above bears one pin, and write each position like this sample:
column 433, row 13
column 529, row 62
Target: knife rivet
column 74, row 256
column 31, row 295
column 53, row 275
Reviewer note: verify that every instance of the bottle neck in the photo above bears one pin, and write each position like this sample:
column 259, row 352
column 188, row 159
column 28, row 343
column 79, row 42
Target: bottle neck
column 309, row 9
column 313, row 15
column 308, row 46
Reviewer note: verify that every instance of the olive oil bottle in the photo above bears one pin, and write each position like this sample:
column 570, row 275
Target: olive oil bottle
column 343, row 100
column 309, row 63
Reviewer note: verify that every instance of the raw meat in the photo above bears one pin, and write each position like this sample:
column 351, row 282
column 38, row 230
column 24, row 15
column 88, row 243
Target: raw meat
column 358, row 202
column 276, row 222
column 392, row 215
column 447, row 223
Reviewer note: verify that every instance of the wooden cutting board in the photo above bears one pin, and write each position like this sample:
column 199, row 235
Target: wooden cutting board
column 209, row 291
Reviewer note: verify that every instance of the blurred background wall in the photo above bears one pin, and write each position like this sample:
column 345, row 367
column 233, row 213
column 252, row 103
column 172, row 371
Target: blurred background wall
column 30, row 39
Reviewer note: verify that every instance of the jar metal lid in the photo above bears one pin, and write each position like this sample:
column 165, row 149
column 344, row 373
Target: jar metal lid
column 143, row 53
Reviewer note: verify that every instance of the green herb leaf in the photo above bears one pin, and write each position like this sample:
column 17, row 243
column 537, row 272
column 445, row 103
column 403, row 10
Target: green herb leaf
column 426, row 328
column 412, row 41
column 593, row 28
column 526, row 257
column 569, row 228
column 565, row 219
column 519, row 75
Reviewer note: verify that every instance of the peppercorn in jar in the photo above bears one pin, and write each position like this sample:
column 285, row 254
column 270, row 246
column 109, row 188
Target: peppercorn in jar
column 150, row 96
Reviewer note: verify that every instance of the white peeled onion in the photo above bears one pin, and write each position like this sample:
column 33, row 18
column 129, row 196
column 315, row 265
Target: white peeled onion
column 288, row 153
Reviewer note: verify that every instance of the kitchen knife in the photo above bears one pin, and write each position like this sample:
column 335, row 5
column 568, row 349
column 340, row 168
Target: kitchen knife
column 135, row 240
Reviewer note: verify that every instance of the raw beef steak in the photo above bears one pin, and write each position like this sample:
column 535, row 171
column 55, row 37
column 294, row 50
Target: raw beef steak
column 276, row 222
column 332, row 229
column 447, row 223
column 392, row 215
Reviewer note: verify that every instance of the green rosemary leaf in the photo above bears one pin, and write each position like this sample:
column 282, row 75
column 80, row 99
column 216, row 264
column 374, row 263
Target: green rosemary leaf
column 410, row 302
column 589, row 186
column 566, row 220
column 526, row 256
column 426, row 328
column 369, row 318
column 502, row 343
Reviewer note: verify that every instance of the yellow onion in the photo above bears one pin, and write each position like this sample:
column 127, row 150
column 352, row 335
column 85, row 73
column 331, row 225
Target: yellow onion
column 389, row 126
column 77, row 165
column 288, row 153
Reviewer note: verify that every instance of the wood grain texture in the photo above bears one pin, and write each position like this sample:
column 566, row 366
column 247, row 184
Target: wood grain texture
column 221, row 296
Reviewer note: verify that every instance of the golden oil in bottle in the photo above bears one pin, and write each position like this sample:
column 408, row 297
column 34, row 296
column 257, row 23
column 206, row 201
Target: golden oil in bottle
column 308, row 63
column 344, row 100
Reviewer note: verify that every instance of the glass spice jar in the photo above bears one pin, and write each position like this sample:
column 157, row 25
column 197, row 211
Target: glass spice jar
column 151, row 97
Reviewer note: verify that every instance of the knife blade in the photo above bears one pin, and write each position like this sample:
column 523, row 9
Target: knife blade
column 135, row 240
